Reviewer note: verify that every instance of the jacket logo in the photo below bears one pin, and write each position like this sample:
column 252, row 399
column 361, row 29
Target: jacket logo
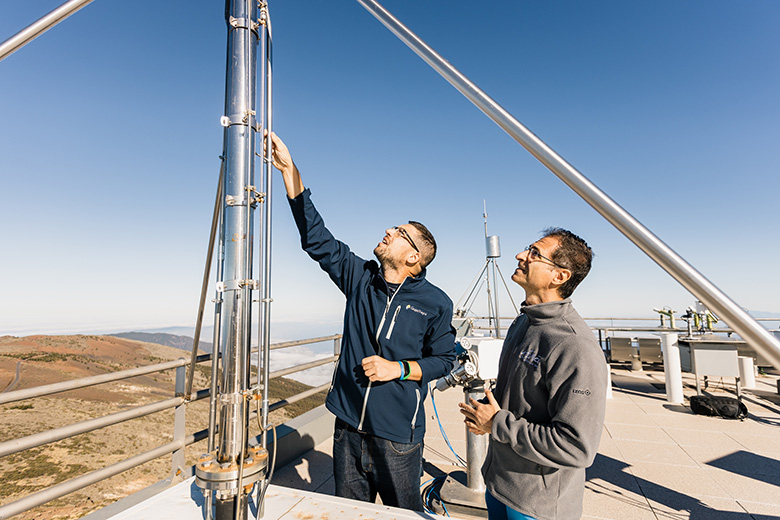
column 585, row 392
column 529, row 358
column 415, row 309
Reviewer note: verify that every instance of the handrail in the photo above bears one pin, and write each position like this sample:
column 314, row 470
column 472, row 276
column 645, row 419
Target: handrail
column 74, row 384
column 74, row 484
column 692, row 280
column 302, row 367
column 56, row 434
column 299, row 342
column 297, row 397
column 71, row 430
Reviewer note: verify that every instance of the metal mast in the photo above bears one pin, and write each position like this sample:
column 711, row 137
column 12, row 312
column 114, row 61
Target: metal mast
column 229, row 472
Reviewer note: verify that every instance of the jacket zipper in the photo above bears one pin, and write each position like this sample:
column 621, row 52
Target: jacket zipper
column 378, row 333
column 416, row 409
column 392, row 322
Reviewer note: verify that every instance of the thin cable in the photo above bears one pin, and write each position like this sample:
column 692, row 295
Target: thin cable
column 441, row 428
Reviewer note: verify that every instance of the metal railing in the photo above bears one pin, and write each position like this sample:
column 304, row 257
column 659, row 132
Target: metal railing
column 178, row 403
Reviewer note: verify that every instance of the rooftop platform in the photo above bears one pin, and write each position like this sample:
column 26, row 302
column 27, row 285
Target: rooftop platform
column 657, row 460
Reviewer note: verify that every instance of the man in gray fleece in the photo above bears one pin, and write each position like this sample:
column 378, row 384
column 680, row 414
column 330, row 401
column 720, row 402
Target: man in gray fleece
column 547, row 412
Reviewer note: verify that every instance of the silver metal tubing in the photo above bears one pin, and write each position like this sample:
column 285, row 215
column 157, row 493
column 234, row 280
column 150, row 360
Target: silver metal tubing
column 267, row 229
column 25, row 36
column 39, row 391
column 299, row 368
column 642, row 237
column 38, row 439
column 206, row 276
column 508, row 292
column 236, row 223
column 299, row 342
column 297, row 397
column 54, row 492
column 495, row 297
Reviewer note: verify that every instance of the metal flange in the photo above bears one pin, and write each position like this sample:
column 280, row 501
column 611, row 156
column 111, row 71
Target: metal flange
column 210, row 474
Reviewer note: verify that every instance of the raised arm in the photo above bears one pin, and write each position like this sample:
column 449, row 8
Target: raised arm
column 284, row 163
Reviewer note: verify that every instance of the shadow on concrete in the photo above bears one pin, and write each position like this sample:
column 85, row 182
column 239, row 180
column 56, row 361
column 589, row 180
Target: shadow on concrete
column 750, row 465
column 616, row 473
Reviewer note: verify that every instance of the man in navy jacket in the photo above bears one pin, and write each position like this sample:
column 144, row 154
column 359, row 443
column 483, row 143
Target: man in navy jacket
column 397, row 337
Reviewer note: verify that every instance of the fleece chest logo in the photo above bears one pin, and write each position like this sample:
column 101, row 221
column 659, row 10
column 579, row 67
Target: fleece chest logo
column 530, row 358
column 585, row 392
column 415, row 309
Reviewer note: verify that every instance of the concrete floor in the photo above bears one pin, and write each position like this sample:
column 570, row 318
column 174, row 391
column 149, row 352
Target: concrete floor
column 657, row 460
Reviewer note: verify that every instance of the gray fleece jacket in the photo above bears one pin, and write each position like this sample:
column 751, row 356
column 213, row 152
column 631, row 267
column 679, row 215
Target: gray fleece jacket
column 551, row 387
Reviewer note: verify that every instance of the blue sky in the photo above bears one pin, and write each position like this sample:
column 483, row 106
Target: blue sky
column 110, row 136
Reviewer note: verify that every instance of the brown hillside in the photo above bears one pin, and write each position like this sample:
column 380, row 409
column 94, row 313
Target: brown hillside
column 44, row 360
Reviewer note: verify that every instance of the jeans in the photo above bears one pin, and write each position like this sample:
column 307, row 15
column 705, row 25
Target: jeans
column 365, row 465
column 498, row 511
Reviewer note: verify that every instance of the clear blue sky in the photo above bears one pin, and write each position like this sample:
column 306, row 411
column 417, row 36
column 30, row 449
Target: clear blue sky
column 110, row 136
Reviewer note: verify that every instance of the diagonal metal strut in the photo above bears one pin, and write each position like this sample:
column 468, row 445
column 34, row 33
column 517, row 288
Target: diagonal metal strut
column 654, row 247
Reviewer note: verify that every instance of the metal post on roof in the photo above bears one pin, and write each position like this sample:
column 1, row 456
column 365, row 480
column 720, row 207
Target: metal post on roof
column 229, row 472
column 654, row 247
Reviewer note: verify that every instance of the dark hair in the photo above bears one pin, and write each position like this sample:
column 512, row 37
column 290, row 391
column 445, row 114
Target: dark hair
column 427, row 245
column 574, row 254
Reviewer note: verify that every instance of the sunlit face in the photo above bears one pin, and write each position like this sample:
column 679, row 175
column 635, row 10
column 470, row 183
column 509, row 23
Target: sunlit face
column 396, row 246
column 535, row 270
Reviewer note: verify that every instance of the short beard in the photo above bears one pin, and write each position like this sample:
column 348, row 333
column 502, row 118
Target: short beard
column 386, row 261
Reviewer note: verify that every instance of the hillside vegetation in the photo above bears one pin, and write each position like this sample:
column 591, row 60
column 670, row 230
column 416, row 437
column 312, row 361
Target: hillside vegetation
column 42, row 360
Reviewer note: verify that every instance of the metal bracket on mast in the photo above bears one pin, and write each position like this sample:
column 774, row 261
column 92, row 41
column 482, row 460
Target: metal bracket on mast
column 244, row 23
column 245, row 119
column 255, row 196
column 234, row 285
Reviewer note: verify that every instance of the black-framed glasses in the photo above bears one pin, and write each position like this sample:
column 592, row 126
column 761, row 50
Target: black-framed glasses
column 534, row 255
column 405, row 234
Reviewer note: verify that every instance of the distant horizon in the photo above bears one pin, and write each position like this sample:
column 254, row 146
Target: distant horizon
column 285, row 326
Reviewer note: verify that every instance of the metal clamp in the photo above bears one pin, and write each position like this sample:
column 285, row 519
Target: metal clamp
column 234, row 200
column 244, row 23
column 254, row 195
column 245, row 119
column 234, row 285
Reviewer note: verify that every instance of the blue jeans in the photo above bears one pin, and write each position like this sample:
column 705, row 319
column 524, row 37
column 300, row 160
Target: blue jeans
column 365, row 465
column 498, row 511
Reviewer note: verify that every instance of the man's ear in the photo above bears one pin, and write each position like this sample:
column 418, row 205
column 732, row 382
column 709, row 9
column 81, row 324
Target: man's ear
column 561, row 277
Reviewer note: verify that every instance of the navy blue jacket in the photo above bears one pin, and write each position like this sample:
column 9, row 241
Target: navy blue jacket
column 414, row 324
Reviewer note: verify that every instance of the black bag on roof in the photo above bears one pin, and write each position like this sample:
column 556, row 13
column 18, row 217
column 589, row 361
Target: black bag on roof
column 726, row 407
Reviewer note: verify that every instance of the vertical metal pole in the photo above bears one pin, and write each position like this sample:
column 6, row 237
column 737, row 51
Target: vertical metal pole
column 476, row 450
column 495, row 298
column 672, row 368
column 179, row 423
column 236, row 233
column 267, row 187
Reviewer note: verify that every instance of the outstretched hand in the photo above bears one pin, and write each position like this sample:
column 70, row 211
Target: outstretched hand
column 479, row 416
column 283, row 162
column 280, row 154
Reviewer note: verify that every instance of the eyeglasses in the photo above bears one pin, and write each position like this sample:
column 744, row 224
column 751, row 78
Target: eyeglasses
column 405, row 234
column 534, row 255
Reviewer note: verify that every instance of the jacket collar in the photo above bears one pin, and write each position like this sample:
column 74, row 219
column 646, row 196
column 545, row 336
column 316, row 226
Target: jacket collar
column 546, row 311
column 409, row 281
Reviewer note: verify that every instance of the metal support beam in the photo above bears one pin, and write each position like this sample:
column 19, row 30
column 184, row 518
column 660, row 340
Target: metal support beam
column 25, row 36
column 642, row 237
